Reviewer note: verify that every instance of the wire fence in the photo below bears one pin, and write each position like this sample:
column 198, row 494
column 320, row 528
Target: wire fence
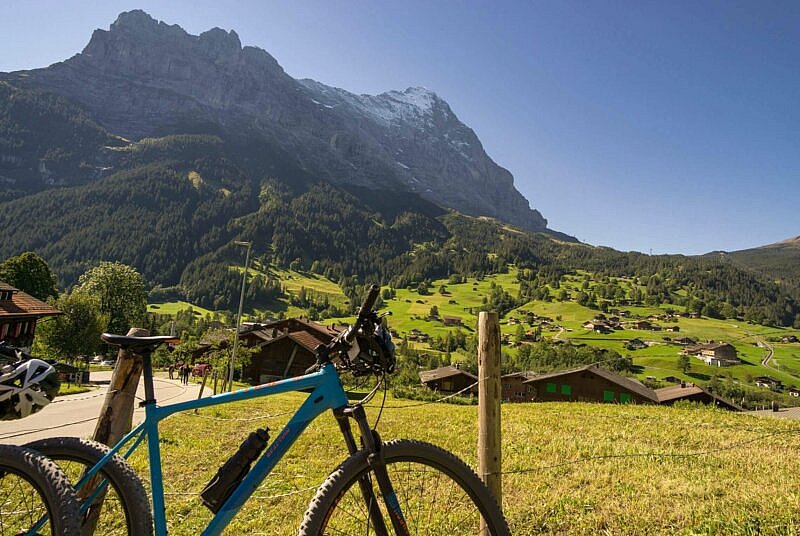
column 440, row 400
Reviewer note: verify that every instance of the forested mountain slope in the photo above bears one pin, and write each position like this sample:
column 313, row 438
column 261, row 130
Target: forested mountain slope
column 780, row 261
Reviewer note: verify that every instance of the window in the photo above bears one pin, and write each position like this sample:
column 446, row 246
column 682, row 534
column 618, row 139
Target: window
column 608, row 396
column 551, row 388
column 566, row 390
column 624, row 397
column 447, row 386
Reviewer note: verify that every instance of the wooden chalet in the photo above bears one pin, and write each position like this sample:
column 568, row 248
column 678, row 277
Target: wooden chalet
column 794, row 391
column 451, row 320
column 693, row 393
column 789, row 339
column 645, row 325
column 768, row 382
column 449, row 379
column 590, row 383
column 514, row 388
column 283, row 349
column 598, row 326
column 19, row 313
column 718, row 354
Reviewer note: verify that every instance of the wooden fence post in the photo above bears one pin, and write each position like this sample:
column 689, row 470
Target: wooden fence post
column 202, row 386
column 116, row 417
column 489, row 398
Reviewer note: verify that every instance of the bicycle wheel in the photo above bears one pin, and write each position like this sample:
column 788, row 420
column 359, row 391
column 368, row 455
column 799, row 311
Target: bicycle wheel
column 438, row 494
column 33, row 492
column 123, row 507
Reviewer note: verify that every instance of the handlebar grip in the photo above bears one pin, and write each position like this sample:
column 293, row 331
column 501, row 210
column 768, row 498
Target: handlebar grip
column 369, row 301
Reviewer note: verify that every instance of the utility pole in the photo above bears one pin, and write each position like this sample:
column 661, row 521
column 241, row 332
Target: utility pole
column 232, row 362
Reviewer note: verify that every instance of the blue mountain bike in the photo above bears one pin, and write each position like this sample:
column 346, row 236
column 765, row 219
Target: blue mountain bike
column 400, row 487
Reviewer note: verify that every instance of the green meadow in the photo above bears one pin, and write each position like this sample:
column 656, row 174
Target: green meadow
column 572, row 468
column 412, row 311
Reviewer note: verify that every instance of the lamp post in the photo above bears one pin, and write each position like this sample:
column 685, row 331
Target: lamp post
column 239, row 315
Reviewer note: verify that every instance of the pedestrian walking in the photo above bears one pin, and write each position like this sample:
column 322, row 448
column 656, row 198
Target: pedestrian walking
column 186, row 374
column 171, row 371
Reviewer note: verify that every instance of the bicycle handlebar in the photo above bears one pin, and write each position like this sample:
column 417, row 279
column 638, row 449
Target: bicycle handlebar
column 363, row 312
column 369, row 301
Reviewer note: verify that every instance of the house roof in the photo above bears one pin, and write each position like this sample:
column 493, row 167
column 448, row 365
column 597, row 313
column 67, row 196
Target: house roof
column 307, row 334
column 627, row 383
column 716, row 345
column 708, row 346
column 22, row 304
column 527, row 375
column 676, row 392
column 440, row 373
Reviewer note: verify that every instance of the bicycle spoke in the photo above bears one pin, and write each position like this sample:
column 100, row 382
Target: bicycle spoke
column 21, row 506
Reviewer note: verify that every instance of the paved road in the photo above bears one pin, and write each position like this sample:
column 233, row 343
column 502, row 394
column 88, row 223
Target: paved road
column 769, row 355
column 76, row 415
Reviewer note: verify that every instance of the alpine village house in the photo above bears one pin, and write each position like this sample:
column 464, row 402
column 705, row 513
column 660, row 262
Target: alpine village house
column 19, row 313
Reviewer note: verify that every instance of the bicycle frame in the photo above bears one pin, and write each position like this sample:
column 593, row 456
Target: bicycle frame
column 327, row 393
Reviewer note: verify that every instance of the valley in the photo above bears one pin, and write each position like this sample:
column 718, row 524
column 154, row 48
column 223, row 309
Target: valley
column 437, row 321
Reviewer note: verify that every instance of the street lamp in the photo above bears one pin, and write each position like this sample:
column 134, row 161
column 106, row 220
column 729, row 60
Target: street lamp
column 239, row 315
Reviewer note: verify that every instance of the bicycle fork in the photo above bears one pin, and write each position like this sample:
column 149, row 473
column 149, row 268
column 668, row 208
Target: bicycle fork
column 373, row 446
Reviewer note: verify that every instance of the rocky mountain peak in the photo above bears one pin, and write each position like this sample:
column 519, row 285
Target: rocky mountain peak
column 135, row 20
column 218, row 42
column 143, row 77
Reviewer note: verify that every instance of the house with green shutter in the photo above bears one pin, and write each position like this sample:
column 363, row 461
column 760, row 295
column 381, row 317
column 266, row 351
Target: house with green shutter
column 590, row 383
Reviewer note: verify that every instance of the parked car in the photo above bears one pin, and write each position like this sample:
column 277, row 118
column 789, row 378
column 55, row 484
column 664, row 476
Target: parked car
column 201, row 369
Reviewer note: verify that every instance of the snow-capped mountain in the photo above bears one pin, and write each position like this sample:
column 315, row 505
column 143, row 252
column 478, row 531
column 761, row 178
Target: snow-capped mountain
column 144, row 78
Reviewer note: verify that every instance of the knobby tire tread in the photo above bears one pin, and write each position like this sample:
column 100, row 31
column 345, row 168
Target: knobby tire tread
column 120, row 474
column 346, row 475
column 50, row 482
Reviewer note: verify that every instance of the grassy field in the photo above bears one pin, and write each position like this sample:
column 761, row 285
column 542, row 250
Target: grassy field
column 411, row 311
column 172, row 308
column 73, row 389
column 572, row 468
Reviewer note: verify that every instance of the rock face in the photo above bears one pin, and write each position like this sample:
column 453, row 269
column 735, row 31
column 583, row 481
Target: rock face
column 146, row 78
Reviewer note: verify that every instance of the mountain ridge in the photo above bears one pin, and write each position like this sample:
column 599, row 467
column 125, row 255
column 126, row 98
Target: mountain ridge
column 145, row 78
column 780, row 261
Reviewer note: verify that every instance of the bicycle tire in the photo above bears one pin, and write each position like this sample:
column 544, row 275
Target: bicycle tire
column 338, row 506
column 32, row 486
column 128, row 495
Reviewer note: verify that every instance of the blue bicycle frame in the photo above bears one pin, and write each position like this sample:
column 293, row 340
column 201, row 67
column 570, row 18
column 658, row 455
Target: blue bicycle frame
column 327, row 393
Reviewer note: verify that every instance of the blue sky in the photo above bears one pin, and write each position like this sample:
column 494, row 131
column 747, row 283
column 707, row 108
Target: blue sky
column 664, row 126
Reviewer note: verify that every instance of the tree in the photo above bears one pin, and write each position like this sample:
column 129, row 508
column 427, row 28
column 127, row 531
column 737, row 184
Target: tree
column 684, row 363
column 120, row 291
column 519, row 334
column 434, row 311
column 422, row 288
column 77, row 331
column 29, row 273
